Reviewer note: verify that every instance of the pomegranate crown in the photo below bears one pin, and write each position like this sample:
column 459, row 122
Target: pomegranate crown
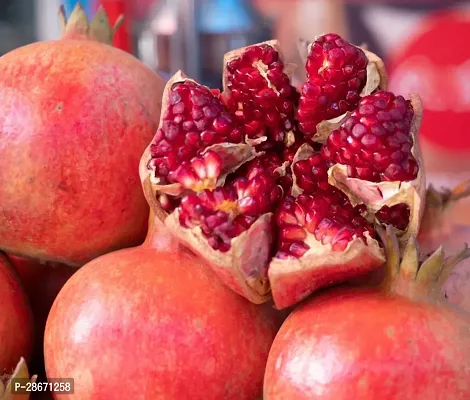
column 99, row 29
column 410, row 276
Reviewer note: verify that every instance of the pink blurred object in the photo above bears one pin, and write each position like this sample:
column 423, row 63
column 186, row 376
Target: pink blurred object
column 114, row 9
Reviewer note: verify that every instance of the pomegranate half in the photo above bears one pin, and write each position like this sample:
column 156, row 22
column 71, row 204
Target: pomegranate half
column 400, row 341
column 75, row 117
column 162, row 323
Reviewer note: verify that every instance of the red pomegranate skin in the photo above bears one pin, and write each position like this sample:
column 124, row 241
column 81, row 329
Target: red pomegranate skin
column 141, row 324
column 16, row 322
column 362, row 344
column 75, row 118
column 41, row 282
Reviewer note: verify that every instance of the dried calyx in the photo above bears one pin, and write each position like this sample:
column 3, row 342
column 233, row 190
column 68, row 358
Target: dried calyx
column 6, row 383
column 409, row 275
column 437, row 224
column 77, row 26
column 242, row 180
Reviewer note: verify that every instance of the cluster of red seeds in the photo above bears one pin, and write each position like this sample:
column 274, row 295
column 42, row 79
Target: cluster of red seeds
column 195, row 119
column 336, row 75
column 328, row 215
column 374, row 143
column 226, row 212
column 261, row 95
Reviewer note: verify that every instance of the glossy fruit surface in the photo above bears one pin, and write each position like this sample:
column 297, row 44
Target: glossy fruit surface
column 402, row 340
column 142, row 324
column 75, row 117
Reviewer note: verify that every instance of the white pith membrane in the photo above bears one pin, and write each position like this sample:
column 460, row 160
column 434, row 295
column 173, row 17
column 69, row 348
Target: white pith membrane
column 376, row 79
column 375, row 195
column 293, row 279
column 262, row 68
column 6, row 384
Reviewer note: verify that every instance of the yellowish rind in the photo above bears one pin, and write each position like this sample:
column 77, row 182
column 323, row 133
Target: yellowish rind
column 287, row 276
column 251, row 249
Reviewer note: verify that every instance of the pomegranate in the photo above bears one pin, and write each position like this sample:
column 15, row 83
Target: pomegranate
column 16, row 324
column 75, row 115
column 187, row 334
column 276, row 210
column 400, row 341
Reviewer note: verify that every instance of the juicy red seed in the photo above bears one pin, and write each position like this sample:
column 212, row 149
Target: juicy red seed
column 195, row 119
column 327, row 215
column 205, row 168
column 263, row 108
column 375, row 141
column 250, row 198
column 336, row 74
column 397, row 215
column 311, row 174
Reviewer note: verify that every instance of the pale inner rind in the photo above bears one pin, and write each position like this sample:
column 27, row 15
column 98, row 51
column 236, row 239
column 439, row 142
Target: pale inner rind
column 243, row 267
column 321, row 255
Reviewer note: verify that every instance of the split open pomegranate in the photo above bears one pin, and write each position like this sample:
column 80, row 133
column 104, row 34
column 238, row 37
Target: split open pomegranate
column 282, row 196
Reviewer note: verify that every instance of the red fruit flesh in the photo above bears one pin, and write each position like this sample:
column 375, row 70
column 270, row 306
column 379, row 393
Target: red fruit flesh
column 375, row 141
column 323, row 241
column 327, row 215
column 259, row 93
column 75, row 117
column 194, row 120
column 311, row 174
column 200, row 173
column 336, row 75
column 226, row 212
column 400, row 341
column 397, row 215
column 204, row 341
column 16, row 323
column 376, row 145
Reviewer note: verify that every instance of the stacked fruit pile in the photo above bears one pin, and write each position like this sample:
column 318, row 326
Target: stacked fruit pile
column 262, row 196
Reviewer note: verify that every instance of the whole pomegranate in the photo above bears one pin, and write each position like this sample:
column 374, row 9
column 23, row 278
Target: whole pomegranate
column 75, row 117
column 279, row 191
column 401, row 341
column 166, row 327
column 16, row 323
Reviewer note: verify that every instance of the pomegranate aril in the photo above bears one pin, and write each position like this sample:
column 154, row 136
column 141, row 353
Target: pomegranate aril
column 379, row 155
column 311, row 174
column 336, row 74
column 397, row 215
column 194, row 120
column 260, row 91
column 327, row 215
column 200, row 173
column 226, row 212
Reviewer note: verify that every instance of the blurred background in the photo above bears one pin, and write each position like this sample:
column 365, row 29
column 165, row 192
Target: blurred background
column 423, row 43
